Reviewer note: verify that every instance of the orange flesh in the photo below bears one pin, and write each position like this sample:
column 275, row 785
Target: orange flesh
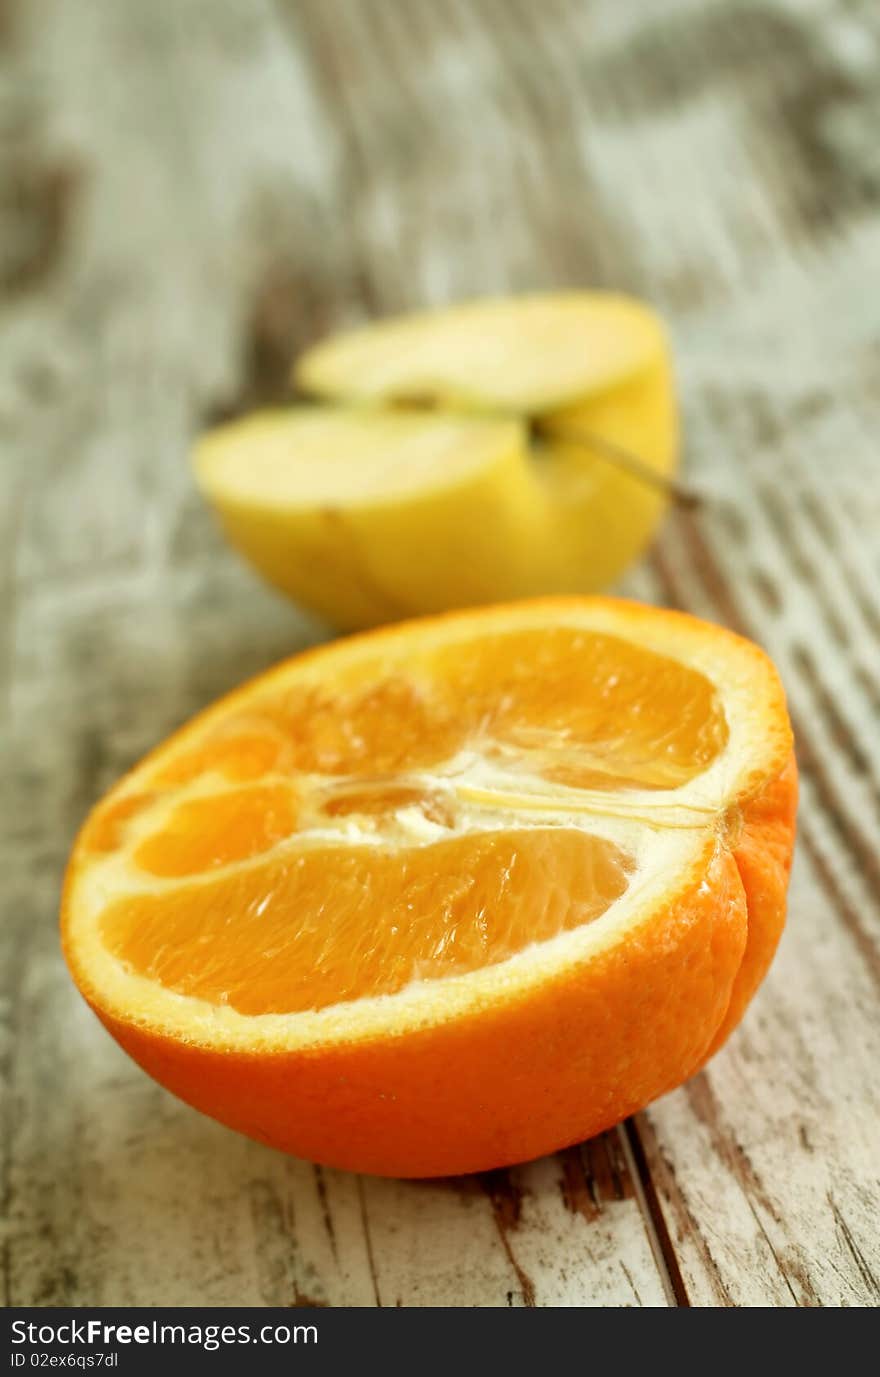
column 218, row 830
column 317, row 922
column 346, row 922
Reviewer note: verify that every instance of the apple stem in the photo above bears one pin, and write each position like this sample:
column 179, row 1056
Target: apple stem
column 623, row 459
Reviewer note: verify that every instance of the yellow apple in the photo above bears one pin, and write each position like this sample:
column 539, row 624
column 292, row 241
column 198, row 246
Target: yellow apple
column 478, row 453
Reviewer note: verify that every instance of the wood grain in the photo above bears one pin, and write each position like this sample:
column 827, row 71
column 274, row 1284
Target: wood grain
column 189, row 192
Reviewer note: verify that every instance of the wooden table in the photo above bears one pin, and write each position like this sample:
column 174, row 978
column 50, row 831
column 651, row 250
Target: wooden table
column 190, row 191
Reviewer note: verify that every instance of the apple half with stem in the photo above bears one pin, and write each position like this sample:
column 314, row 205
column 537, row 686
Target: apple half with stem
column 472, row 454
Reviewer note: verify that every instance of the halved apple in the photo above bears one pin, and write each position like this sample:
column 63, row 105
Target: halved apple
column 474, row 454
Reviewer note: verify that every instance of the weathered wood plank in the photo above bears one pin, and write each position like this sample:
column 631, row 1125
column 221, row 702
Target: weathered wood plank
column 190, row 191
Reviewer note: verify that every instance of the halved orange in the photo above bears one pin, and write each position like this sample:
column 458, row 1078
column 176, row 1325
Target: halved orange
column 451, row 894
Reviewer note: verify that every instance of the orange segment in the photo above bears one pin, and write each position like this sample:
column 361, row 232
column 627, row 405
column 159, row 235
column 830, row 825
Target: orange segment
column 389, row 723
column 217, row 830
column 374, row 798
column 238, row 751
column 282, row 938
column 442, row 896
column 595, row 710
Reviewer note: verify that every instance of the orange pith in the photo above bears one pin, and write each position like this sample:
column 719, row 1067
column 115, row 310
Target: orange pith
column 386, row 818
